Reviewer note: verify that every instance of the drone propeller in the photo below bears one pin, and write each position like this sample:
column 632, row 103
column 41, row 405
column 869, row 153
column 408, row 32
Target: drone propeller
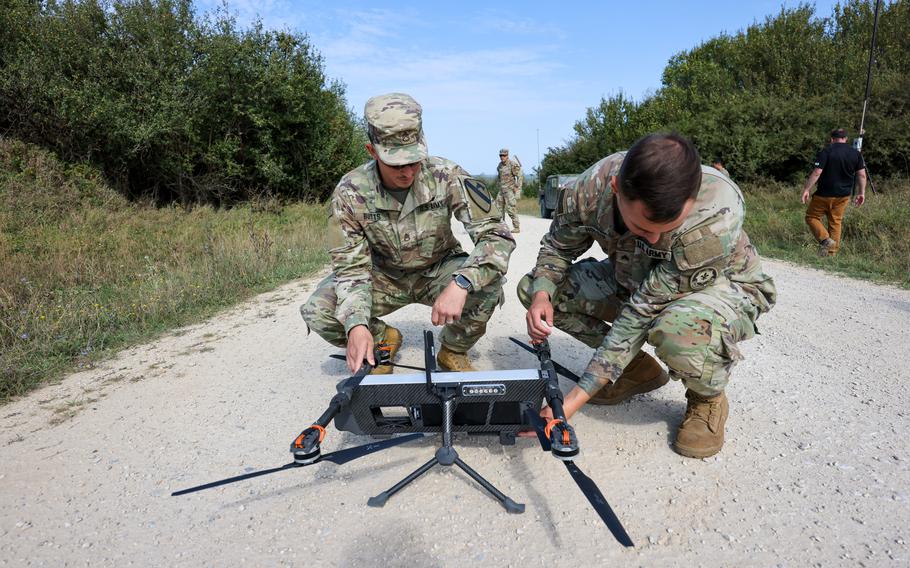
column 343, row 358
column 586, row 484
column 559, row 368
column 338, row 457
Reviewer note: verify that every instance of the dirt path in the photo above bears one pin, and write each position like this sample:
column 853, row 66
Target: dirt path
column 816, row 470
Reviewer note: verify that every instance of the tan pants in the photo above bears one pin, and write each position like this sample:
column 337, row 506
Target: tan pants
column 831, row 207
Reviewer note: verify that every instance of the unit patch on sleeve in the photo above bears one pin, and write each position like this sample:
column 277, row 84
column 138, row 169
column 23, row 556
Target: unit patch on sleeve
column 478, row 194
column 702, row 278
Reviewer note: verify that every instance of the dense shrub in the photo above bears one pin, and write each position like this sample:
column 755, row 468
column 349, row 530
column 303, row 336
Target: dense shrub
column 171, row 106
column 764, row 100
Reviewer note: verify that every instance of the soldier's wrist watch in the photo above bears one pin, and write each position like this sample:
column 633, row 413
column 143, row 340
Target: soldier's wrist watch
column 462, row 282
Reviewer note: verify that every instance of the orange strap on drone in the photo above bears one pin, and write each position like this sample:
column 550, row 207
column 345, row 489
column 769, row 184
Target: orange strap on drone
column 298, row 443
column 565, row 433
column 384, row 347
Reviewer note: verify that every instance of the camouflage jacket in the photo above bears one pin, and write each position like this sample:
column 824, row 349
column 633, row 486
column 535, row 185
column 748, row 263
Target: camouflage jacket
column 510, row 176
column 708, row 250
column 370, row 230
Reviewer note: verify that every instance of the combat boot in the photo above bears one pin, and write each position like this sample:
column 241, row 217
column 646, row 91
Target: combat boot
column 701, row 433
column 516, row 230
column 391, row 339
column 642, row 375
column 453, row 360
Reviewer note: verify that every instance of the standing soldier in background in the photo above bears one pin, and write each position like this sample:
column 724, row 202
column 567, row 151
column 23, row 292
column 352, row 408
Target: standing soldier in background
column 680, row 275
column 510, row 182
column 835, row 169
column 391, row 243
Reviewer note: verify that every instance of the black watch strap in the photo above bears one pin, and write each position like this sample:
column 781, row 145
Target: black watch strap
column 463, row 282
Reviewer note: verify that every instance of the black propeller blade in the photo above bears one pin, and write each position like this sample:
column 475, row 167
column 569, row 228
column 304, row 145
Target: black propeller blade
column 587, row 486
column 237, row 478
column 559, row 368
column 344, row 456
column 338, row 457
column 343, row 358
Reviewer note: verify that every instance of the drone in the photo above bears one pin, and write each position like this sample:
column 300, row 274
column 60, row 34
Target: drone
column 409, row 406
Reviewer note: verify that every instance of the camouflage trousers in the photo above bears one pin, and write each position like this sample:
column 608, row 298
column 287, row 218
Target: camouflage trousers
column 390, row 293
column 506, row 201
column 695, row 336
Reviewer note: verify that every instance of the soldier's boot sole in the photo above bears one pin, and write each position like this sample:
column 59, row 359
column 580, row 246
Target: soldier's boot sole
column 655, row 377
column 701, row 442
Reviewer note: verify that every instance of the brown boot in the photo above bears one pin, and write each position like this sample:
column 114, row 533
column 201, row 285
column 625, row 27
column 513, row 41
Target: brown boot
column 392, row 340
column 701, row 433
column 453, row 360
column 642, row 375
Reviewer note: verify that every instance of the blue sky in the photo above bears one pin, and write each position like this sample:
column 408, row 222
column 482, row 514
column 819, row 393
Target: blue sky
column 494, row 74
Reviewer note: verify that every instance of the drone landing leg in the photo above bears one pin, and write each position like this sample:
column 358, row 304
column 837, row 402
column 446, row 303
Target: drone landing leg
column 446, row 455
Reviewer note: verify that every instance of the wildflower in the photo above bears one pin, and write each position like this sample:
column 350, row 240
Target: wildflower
column 23, row 336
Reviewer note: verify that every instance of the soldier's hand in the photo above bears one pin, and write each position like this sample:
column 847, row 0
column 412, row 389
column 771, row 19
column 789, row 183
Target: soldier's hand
column 804, row 198
column 540, row 317
column 360, row 347
column 546, row 414
column 859, row 199
column 448, row 306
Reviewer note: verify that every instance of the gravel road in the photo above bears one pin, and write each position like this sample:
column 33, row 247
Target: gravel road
column 815, row 471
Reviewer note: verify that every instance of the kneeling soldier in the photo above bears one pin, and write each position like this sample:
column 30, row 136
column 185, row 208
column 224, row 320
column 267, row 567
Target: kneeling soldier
column 392, row 245
column 681, row 275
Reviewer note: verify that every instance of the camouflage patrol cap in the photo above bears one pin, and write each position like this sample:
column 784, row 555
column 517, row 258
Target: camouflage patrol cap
column 504, row 152
column 395, row 128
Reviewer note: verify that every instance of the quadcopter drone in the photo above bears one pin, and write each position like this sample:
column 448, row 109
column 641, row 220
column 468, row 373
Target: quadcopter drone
column 485, row 402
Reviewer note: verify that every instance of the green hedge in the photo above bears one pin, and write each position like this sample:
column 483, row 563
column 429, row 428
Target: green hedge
column 172, row 106
column 764, row 99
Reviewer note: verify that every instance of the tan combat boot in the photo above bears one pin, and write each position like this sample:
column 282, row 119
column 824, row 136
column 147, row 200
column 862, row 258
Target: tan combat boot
column 391, row 339
column 453, row 361
column 701, row 433
column 642, row 375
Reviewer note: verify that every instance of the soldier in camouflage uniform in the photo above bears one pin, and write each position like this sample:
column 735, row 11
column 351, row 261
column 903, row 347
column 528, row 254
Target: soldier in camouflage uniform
column 681, row 275
column 510, row 181
column 391, row 243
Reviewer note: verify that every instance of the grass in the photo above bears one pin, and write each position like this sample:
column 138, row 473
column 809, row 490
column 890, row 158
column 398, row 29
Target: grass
column 83, row 272
column 875, row 239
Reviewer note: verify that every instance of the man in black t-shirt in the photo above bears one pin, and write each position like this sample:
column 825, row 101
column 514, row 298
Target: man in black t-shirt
column 835, row 169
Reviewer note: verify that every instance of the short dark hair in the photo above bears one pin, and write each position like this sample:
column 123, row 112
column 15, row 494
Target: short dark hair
column 838, row 133
column 663, row 171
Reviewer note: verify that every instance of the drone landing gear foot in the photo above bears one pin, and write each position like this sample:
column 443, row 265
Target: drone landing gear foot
column 447, row 456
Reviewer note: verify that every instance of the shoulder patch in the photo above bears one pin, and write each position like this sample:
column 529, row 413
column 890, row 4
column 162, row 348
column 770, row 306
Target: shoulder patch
column 477, row 192
column 702, row 278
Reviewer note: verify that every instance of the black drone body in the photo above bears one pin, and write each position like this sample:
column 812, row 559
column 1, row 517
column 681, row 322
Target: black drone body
column 491, row 402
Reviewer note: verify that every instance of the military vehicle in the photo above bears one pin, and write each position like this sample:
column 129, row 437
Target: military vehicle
column 549, row 193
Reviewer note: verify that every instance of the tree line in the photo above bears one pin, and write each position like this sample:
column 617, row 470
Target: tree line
column 173, row 106
column 764, row 99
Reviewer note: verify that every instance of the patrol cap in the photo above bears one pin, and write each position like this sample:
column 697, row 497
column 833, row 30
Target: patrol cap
column 504, row 152
column 838, row 133
column 394, row 124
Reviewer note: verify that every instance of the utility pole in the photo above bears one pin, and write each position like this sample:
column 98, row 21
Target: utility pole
column 538, row 162
column 858, row 141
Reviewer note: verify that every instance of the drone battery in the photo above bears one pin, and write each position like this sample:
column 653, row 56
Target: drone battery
column 486, row 402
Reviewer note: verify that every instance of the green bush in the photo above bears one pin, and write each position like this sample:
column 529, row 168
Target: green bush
column 171, row 106
column 764, row 100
